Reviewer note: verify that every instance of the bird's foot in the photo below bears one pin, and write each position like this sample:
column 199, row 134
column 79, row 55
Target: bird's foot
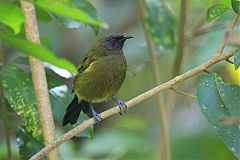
column 122, row 105
column 97, row 118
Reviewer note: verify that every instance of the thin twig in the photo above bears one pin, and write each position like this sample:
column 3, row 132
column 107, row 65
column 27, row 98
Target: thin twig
column 207, row 71
column 183, row 93
column 142, row 65
column 131, row 103
column 219, row 52
column 39, row 80
column 231, row 26
column 164, row 144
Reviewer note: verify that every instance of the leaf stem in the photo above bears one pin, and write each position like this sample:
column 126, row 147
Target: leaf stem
column 183, row 93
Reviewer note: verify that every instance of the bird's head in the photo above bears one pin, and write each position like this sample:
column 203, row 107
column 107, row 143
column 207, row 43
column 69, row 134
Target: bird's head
column 115, row 41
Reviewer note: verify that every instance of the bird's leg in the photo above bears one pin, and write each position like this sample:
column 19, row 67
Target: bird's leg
column 95, row 115
column 122, row 106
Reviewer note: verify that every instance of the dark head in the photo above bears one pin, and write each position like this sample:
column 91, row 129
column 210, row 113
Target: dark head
column 114, row 41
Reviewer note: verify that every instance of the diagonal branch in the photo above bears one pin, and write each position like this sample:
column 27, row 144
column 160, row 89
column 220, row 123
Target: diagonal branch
column 131, row 103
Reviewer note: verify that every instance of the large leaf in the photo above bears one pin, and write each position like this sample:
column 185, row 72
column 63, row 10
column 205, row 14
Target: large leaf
column 159, row 21
column 218, row 100
column 18, row 89
column 60, row 99
column 37, row 51
column 67, row 9
column 86, row 7
column 28, row 145
column 215, row 11
column 230, row 94
column 52, row 80
column 11, row 15
column 236, row 6
column 237, row 59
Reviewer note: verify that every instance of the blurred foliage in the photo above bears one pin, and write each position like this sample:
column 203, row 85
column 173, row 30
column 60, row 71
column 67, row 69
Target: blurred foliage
column 160, row 24
column 237, row 59
column 218, row 100
column 27, row 144
column 234, row 74
column 18, row 90
column 135, row 135
column 38, row 51
column 12, row 16
column 86, row 7
column 236, row 6
column 215, row 11
column 69, row 9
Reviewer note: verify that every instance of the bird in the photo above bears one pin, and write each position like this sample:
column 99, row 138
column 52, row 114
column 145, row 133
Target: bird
column 99, row 76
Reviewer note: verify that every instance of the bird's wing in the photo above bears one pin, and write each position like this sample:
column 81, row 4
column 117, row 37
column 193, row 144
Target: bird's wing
column 86, row 62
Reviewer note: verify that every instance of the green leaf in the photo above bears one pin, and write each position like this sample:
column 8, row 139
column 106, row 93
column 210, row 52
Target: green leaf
column 21, row 60
column 28, row 145
column 12, row 16
column 236, row 6
column 67, row 9
column 237, row 59
column 230, row 94
column 215, row 11
column 42, row 14
column 60, row 98
column 160, row 23
column 86, row 7
column 18, row 90
column 218, row 100
column 37, row 51
column 52, row 80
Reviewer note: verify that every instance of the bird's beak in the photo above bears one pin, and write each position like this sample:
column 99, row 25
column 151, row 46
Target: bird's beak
column 128, row 37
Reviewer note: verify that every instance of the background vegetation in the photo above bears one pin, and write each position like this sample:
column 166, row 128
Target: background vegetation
column 196, row 120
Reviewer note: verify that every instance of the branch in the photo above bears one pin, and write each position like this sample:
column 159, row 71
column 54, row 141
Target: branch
column 164, row 144
column 231, row 26
column 232, row 38
column 131, row 103
column 39, row 80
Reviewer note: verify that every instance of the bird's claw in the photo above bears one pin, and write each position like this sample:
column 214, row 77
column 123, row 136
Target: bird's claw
column 97, row 117
column 122, row 106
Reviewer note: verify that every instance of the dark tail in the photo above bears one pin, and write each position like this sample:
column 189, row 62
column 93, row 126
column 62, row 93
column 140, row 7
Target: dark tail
column 73, row 111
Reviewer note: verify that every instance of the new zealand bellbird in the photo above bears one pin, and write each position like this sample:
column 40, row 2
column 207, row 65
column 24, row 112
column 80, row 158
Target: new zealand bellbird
column 100, row 75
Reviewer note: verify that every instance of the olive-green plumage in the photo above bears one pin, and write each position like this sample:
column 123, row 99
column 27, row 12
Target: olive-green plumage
column 100, row 75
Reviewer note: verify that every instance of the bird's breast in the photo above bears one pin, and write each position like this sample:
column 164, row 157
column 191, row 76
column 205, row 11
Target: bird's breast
column 102, row 79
